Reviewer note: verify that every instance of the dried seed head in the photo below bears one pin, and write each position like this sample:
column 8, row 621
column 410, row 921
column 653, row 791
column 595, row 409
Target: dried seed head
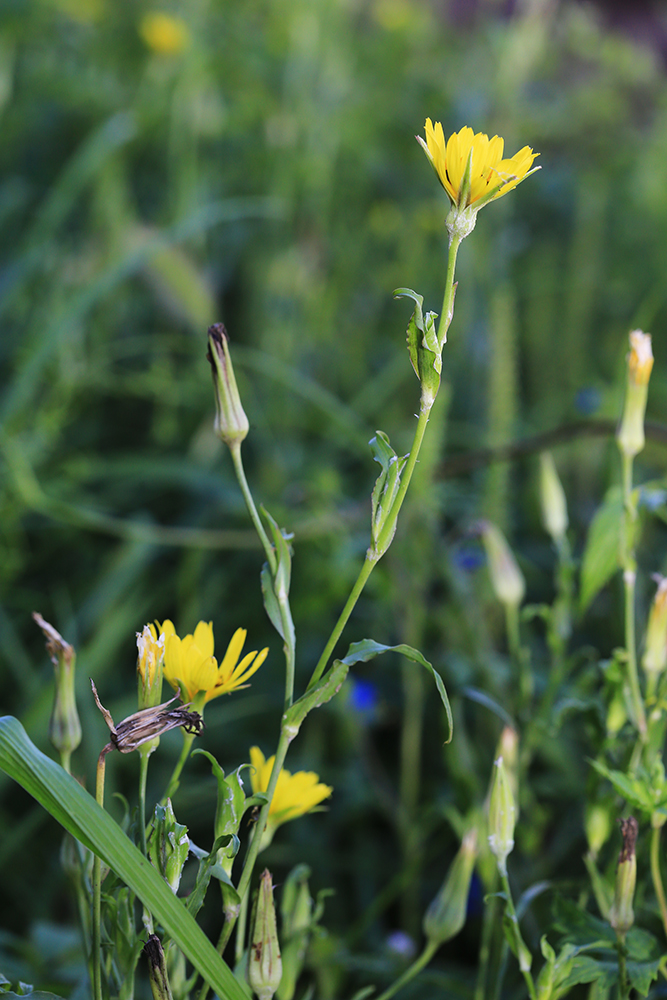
column 147, row 724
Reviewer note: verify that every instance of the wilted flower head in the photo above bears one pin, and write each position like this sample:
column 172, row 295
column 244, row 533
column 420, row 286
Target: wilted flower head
column 64, row 726
column 630, row 435
column 145, row 725
column 190, row 666
column 295, row 794
column 640, row 359
column 490, row 176
column 231, row 422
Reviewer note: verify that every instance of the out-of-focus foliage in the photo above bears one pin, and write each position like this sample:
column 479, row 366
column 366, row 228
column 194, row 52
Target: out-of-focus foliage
column 257, row 166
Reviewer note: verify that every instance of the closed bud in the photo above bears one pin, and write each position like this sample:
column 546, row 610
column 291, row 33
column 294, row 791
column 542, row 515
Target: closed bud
column 168, row 845
column 446, row 915
column 506, row 577
column 231, row 423
column 552, row 498
column 64, row 727
column 654, row 659
column 630, row 435
column 502, row 816
column 597, row 824
column 264, row 962
column 621, row 916
column 508, row 749
column 157, row 969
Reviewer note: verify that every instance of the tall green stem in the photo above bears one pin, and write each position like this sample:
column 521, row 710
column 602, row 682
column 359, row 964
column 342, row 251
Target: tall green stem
column 252, row 510
column 143, row 773
column 656, row 876
column 283, row 600
column 410, row 973
column 97, row 886
column 629, row 580
column 253, row 849
column 174, row 781
column 519, row 944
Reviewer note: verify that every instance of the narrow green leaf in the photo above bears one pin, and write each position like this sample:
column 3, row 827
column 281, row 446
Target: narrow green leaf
column 361, row 652
column 313, row 698
column 64, row 798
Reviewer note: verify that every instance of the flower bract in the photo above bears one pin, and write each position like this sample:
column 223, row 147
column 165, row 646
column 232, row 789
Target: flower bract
column 491, row 176
column 295, row 794
column 191, row 667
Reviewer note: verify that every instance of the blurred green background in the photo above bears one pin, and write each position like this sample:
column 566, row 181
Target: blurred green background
column 254, row 163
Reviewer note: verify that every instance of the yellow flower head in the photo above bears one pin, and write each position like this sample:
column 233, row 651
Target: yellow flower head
column 150, row 651
column 164, row 34
column 491, row 176
column 295, row 794
column 189, row 662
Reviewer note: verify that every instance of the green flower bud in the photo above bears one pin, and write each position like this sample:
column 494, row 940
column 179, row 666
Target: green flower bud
column 264, row 962
column 597, row 824
column 502, row 816
column 296, row 913
column 506, row 577
column 654, row 659
column 552, row 498
column 168, row 845
column 385, row 490
column 157, row 969
column 621, row 916
column 446, row 915
column 64, row 727
column 630, row 435
column 231, row 423
column 508, row 749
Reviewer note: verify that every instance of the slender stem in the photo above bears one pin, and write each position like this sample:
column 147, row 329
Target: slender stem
column 241, row 926
column 448, row 297
column 623, row 982
column 410, row 973
column 489, row 925
column 514, row 923
column 518, row 655
column 656, row 876
column 252, row 510
column 359, row 585
column 629, row 579
column 97, row 886
column 65, row 760
column 253, row 849
column 283, row 601
column 143, row 772
column 188, row 739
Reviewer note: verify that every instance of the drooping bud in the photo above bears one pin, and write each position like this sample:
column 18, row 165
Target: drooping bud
column 446, row 915
column 502, row 816
column 552, row 498
column 630, row 435
column 157, row 969
column 168, row 845
column 654, row 659
column 64, row 727
column 506, row 577
column 622, row 916
column 264, row 961
column 231, row 423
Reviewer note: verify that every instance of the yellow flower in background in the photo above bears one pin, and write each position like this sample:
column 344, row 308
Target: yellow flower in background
column 164, row 34
column 295, row 794
column 189, row 662
column 491, row 176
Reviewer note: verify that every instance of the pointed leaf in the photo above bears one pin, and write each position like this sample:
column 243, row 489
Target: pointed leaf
column 361, row 652
column 602, row 553
column 320, row 693
column 64, row 798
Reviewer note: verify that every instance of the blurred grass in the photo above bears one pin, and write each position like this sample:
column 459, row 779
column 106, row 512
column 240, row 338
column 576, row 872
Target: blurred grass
column 266, row 175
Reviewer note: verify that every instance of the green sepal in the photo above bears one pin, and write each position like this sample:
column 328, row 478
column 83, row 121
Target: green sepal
column 386, row 487
column 367, row 649
column 318, row 695
column 231, row 797
column 76, row 810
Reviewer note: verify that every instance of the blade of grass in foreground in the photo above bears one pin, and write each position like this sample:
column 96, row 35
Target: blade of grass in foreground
column 76, row 810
